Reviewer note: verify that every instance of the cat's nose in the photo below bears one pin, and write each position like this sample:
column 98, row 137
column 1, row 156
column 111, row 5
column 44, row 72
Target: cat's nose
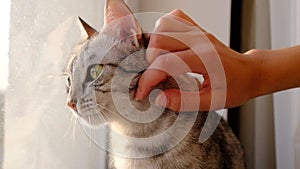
column 72, row 104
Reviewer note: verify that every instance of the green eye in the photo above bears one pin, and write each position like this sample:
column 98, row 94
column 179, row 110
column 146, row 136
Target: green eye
column 95, row 71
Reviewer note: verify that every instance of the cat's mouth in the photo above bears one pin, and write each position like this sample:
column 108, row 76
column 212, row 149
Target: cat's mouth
column 90, row 115
column 79, row 111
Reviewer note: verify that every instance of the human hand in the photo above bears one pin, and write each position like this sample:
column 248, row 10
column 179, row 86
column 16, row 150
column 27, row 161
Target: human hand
column 177, row 46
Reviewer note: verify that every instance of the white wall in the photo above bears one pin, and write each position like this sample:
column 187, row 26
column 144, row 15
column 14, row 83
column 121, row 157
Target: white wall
column 285, row 16
column 42, row 35
column 213, row 15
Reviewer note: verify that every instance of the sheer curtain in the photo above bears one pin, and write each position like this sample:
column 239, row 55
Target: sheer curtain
column 285, row 18
column 39, row 131
column 270, row 125
column 257, row 122
column 297, row 133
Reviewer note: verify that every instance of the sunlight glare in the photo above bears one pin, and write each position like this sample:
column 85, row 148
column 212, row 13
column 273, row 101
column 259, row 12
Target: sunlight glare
column 4, row 41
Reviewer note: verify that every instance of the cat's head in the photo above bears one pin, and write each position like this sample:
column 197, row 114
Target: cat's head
column 109, row 60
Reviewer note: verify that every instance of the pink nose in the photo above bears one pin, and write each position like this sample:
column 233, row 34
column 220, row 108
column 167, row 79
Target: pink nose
column 72, row 104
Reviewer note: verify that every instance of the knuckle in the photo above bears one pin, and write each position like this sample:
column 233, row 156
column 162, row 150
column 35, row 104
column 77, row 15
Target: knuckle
column 177, row 11
column 159, row 24
column 163, row 61
column 210, row 37
column 154, row 40
column 163, row 19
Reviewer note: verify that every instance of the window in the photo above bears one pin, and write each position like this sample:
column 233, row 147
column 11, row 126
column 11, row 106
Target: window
column 43, row 34
column 4, row 34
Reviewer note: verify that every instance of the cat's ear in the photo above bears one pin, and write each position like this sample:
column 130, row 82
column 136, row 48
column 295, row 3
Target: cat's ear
column 120, row 22
column 90, row 31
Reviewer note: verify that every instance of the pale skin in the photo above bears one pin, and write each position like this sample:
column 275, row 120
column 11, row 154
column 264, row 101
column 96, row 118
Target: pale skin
column 248, row 75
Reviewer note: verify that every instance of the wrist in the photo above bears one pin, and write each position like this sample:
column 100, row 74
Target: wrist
column 258, row 72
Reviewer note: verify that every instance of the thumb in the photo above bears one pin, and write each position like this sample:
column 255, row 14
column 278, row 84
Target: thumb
column 177, row 100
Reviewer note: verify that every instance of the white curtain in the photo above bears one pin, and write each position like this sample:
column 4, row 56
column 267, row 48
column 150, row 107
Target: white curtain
column 257, row 124
column 270, row 125
column 285, row 22
column 297, row 133
column 42, row 36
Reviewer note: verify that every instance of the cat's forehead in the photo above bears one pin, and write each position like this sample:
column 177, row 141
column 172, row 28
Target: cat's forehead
column 104, row 49
column 98, row 47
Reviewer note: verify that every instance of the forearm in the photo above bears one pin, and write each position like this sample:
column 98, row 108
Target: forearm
column 279, row 69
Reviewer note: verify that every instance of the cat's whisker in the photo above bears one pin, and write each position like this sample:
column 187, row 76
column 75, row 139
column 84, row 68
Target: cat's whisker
column 103, row 107
column 99, row 116
column 98, row 113
column 102, row 117
column 91, row 136
column 69, row 126
column 94, row 120
column 74, row 131
column 95, row 132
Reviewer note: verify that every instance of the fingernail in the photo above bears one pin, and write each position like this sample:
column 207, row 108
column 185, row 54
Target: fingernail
column 161, row 100
column 139, row 94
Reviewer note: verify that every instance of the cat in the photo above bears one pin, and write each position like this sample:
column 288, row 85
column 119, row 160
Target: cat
column 102, row 79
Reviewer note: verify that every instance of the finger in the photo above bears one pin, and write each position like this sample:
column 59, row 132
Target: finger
column 181, row 101
column 149, row 79
column 171, row 38
column 202, row 58
column 160, row 40
column 178, row 63
column 195, row 39
column 205, row 100
column 180, row 14
column 170, row 64
column 160, row 44
column 171, row 23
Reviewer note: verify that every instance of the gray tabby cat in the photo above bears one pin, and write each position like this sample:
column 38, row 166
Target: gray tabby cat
column 103, row 76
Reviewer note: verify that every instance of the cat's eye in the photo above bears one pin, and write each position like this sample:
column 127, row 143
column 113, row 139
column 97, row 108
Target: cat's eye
column 68, row 84
column 94, row 72
column 68, row 81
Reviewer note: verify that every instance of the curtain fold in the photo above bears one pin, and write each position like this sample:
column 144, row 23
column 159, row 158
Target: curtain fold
column 285, row 32
column 297, row 133
column 257, row 124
